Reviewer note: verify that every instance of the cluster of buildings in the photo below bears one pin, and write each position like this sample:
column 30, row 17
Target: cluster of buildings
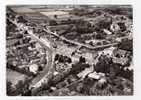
column 23, row 52
column 74, row 63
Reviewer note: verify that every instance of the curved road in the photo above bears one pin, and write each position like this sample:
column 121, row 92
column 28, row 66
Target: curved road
column 47, row 46
column 80, row 44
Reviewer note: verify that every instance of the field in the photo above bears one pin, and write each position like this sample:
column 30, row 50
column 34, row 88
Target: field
column 14, row 76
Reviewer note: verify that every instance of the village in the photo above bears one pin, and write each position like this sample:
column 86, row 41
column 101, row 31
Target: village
column 69, row 50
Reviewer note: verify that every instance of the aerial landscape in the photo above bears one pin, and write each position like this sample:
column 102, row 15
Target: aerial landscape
column 69, row 50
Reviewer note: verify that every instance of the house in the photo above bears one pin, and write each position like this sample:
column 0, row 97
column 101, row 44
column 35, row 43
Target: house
column 119, row 52
column 114, row 27
column 108, row 51
column 107, row 32
column 120, row 57
column 33, row 68
column 75, row 58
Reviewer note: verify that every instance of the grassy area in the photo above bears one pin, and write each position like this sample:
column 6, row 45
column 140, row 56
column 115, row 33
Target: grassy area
column 14, row 76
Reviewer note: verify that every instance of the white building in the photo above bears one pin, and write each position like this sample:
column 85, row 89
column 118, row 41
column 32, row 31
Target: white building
column 33, row 68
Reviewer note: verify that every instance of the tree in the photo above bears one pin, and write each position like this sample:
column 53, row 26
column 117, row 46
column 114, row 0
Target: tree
column 78, row 67
column 122, row 26
column 19, row 87
column 52, row 22
column 103, row 64
column 126, row 44
column 20, row 84
column 9, row 88
column 56, row 57
column 91, row 43
column 21, row 19
column 55, row 16
column 82, row 60
column 83, row 27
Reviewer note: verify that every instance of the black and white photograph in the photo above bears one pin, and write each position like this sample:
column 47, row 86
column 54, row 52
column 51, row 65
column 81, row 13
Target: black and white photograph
column 69, row 50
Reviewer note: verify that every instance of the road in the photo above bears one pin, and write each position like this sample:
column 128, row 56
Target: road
column 47, row 45
column 49, row 66
column 80, row 44
column 49, row 60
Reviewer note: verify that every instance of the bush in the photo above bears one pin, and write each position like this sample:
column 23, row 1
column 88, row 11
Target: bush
column 78, row 67
column 9, row 88
column 52, row 22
